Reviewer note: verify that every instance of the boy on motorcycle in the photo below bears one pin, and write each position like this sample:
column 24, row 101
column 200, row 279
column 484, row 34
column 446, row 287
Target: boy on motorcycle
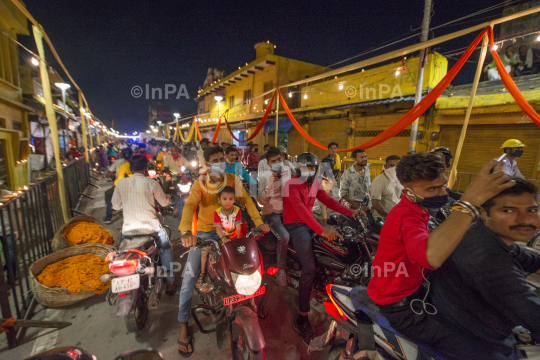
column 299, row 195
column 407, row 248
column 481, row 287
column 204, row 198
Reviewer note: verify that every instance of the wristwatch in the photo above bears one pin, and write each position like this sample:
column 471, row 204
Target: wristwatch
column 186, row 232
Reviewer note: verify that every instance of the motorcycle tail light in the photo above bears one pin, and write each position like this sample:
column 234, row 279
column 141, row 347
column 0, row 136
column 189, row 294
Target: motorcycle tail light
column 272, row 271
column 124, row 267
column 329, row 292
column 247, row 284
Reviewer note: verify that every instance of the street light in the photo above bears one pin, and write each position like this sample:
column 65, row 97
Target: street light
column 218, row 99
column 177, row 116
column 64, row 87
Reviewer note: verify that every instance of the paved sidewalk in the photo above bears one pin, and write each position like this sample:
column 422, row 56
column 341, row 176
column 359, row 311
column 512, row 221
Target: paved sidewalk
column 96, row 328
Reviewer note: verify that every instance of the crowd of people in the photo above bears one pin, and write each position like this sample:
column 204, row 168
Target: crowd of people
column 475, row 269
column 517, row 64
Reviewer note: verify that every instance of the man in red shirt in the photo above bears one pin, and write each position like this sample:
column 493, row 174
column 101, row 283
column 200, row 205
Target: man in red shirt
column 253, row 159
column 407, row 248
column 299, row 195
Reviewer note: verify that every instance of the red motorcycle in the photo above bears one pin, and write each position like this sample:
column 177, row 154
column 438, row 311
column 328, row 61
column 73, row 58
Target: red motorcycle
column 233, row 281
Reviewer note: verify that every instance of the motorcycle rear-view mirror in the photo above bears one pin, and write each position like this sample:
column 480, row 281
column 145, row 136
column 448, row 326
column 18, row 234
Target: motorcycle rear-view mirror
column 141, row 354
column 332, row 220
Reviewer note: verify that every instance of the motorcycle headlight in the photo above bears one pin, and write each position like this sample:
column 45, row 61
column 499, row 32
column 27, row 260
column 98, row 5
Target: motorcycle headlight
column 184, row 188
column 182, row 168
column 194, row 163
column 152, row 172
column 247, row 284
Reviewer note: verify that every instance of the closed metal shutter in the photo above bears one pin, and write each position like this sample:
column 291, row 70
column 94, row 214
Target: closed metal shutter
column 483, row 142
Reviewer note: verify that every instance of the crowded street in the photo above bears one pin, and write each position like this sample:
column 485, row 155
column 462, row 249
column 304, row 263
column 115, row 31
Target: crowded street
column 295, row 180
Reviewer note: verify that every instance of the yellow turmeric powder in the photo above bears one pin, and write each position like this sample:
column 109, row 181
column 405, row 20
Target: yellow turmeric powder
column 77, row 273
column 83, row 232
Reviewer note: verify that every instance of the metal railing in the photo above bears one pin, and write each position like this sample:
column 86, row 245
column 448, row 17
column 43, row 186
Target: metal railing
column 28, row 220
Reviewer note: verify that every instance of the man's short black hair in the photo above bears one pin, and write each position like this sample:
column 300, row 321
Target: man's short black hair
column 227, row 190
column 392, row 157
column 420, row 166
column 205, row 141
column 138, row 163
column 272, row 152
column 266, row 146
column 230, row 149
column 211, row 150
column 223, row 143
column 520, row 187
column 356, row 152
column 333, row 143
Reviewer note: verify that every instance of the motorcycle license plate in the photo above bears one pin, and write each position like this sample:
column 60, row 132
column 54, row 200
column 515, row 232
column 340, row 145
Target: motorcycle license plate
column 125, row 283
column 238, row 298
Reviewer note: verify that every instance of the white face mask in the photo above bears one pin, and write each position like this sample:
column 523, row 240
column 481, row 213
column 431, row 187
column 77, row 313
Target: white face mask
column 218, row 168
column 164, row 149
column 308, row 173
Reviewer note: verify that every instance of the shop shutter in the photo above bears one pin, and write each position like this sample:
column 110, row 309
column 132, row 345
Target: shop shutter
column 483, row 143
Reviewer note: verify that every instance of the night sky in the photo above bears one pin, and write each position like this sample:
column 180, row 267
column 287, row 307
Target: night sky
column 111, row 46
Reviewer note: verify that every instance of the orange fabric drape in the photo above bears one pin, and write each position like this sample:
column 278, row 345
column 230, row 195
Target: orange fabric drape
column 261, row 123
column 408, row 118
column 511, row 85
column 214, row 138
column 197, row 128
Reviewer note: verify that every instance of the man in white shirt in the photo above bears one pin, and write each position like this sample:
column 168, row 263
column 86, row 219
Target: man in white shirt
column 356, row 180
column 153, row 148
column 174, row 162
column 525, row 64
column 200, row 153
column 512, row 149
column 386, row 189
column 136, row 196
column 271, row 184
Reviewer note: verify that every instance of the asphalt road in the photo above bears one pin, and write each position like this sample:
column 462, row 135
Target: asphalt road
column 96, row 328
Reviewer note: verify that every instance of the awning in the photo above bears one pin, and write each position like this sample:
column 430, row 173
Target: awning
column 284, row 124
column 378, row 102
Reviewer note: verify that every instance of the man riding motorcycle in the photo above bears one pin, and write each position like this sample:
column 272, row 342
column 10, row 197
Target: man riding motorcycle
column 204, row 198
column 407, row 248
column 299, row 196
column 174, row 162
column 136, row 195
column 481, row 287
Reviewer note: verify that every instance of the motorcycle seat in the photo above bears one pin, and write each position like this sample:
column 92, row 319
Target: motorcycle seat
column 142, row 242
column 362, row 302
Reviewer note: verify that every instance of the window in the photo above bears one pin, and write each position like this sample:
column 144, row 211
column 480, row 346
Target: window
column 2, row 122
column 247, row 96
column 17, row 126
column 231, row 102
column 269, row 85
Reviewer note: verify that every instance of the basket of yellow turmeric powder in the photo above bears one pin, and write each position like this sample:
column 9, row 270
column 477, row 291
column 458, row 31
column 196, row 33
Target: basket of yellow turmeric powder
column 70, row 275
column 84, row 229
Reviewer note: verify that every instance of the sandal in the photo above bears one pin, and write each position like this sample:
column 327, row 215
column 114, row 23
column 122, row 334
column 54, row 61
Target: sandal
column 200, row 280
column 186, row 354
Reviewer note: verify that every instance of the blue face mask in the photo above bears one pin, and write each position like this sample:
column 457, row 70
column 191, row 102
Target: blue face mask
column 277, row 167
column 218, row 168
column 308, row 173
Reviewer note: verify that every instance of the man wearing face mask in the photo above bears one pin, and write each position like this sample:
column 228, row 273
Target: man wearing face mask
column 204, row 198
column 512, row 149
column 174, row 162
column 407, row 250
column 270, row 196
column 299, row 195
column 153, row 148
column 386, row 189
column 161, row 157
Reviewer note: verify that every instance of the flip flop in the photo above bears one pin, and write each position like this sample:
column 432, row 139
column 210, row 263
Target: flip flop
column 186, row 354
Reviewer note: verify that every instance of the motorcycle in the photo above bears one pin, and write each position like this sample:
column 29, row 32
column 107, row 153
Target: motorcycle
column 233, row 281
column 374, row 225
column 357, row 327
column 341, row 261
column 137, row 279
column 75, row 353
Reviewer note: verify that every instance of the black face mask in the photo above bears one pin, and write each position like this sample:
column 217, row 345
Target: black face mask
column 517, row 153
column 432, row 202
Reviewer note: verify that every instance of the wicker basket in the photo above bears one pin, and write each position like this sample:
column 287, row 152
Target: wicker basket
column 59, row 242
column 60, row 297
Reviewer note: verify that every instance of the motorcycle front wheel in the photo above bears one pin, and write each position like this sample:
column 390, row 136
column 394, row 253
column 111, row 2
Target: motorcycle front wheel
column 240, row 349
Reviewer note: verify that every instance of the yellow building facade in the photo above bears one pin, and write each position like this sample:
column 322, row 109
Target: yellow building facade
column 14, row 130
